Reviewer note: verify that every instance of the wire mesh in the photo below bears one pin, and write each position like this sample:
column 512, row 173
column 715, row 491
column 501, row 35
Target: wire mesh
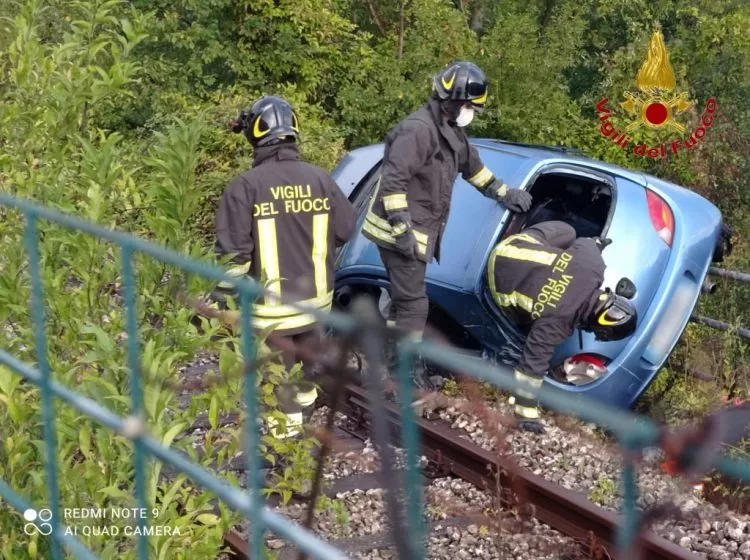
column 633, row 433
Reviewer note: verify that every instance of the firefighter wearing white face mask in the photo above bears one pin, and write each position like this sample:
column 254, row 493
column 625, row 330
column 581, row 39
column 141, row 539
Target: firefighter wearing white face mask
column 465, row 116
column 408, row 213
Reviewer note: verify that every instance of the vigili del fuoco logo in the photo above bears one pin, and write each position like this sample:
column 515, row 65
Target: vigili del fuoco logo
column 655, row 106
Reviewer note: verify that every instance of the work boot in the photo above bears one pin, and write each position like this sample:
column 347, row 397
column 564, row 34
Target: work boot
column 422, row 379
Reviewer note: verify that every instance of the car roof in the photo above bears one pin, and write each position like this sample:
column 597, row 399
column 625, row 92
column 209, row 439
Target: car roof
column 541, row 153
column 536, row 154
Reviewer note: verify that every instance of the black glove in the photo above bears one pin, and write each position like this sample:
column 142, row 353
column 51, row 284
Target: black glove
column 514, row 200
column 220, row 295
column 406, row 243
column 602, row 242
column 225, row 290
column 531, row 426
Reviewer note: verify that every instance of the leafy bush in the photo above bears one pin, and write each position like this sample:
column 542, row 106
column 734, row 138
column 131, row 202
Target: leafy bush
column 56, row 149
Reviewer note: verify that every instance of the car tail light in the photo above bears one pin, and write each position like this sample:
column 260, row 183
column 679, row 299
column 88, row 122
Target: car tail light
column 584, row 368
column 594, row 359
column 661, row 216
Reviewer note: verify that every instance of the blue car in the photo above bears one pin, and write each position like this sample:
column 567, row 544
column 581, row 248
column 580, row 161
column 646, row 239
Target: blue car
column 664, row 238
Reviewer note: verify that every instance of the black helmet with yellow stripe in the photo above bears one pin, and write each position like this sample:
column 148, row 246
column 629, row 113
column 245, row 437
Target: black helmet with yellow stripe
column 612, row 318
column 270, row 119
column 463, row 82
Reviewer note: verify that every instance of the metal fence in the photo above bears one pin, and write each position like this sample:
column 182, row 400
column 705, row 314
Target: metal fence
column 632, row 432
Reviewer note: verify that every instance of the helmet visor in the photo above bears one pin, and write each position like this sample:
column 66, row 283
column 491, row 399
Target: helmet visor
column 617, row 321
column 612, row 316
column 477, row 94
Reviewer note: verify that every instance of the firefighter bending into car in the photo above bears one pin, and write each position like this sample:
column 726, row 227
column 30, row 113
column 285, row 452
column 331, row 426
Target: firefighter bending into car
column 546, row 279
column 282, row 221
column 409, row 211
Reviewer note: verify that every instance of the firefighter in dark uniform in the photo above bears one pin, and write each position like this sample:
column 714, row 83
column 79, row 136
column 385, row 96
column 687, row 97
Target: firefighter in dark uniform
column 409, row 211
column 546, row 279
column 282, row 221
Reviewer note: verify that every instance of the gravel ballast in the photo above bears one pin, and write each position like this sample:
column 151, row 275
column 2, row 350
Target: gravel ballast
column 461, row 521
column 582, row 460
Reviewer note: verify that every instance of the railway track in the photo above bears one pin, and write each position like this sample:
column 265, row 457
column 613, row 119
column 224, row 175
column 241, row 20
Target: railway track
column 449, row 454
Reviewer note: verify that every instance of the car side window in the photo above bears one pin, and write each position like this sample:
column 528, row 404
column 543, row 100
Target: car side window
column 361, row 194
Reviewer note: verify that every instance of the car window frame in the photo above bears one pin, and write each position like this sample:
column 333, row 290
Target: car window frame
column 362, row 193
column 578, row 170
column 560, row 168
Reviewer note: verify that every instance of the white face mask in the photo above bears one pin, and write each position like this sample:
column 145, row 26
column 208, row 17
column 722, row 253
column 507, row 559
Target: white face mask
column 465, row 116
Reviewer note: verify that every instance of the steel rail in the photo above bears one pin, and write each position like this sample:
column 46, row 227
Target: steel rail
column 721, row 326
column 564, row 510
column 732, row 274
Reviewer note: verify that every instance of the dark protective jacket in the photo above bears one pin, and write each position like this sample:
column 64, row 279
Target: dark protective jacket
column 283, row 220
column 423, row 156
column 546, row 278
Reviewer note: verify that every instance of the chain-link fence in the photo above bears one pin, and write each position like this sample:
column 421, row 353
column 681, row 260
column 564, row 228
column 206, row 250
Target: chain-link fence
column 697, row 449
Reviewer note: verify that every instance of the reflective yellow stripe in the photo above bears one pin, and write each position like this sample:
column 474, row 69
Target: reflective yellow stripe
column 239, row 270
column 281, row 311
column 293, row 425
column 394, row 205
column 505, row 300
column 505, row 249
column 236, row 271
column 415, row 336
column 399, row 229
column 378, row 233
column 491, row 272
column 307, row 398
column 292, row 320
column 533, row 255
column 379, row 222
column 390, row 324
column 284, row 323
column 523, row 237
column 421, row 237
column 514, row 299
column 319, row 253
column 395, row 197
column 269, row 259
column 528, row 385
column 482, row 178
column 395, row 202
column 531, row 413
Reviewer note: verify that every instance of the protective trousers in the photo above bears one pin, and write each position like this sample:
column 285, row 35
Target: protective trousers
column 409, row 305
column 296, row 401
column 526, row 398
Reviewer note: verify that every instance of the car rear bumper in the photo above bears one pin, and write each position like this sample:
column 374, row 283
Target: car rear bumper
column 661, row 327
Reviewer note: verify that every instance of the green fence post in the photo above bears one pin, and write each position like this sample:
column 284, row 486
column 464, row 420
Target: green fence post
column 136, row 388
column 410, row 436
column 48, row 405
column 252, row 438
column 627, row 532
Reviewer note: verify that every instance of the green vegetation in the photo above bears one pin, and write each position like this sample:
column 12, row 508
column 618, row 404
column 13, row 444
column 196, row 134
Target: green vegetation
column 116, row 111
column 603, row 492
column 339, row 512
